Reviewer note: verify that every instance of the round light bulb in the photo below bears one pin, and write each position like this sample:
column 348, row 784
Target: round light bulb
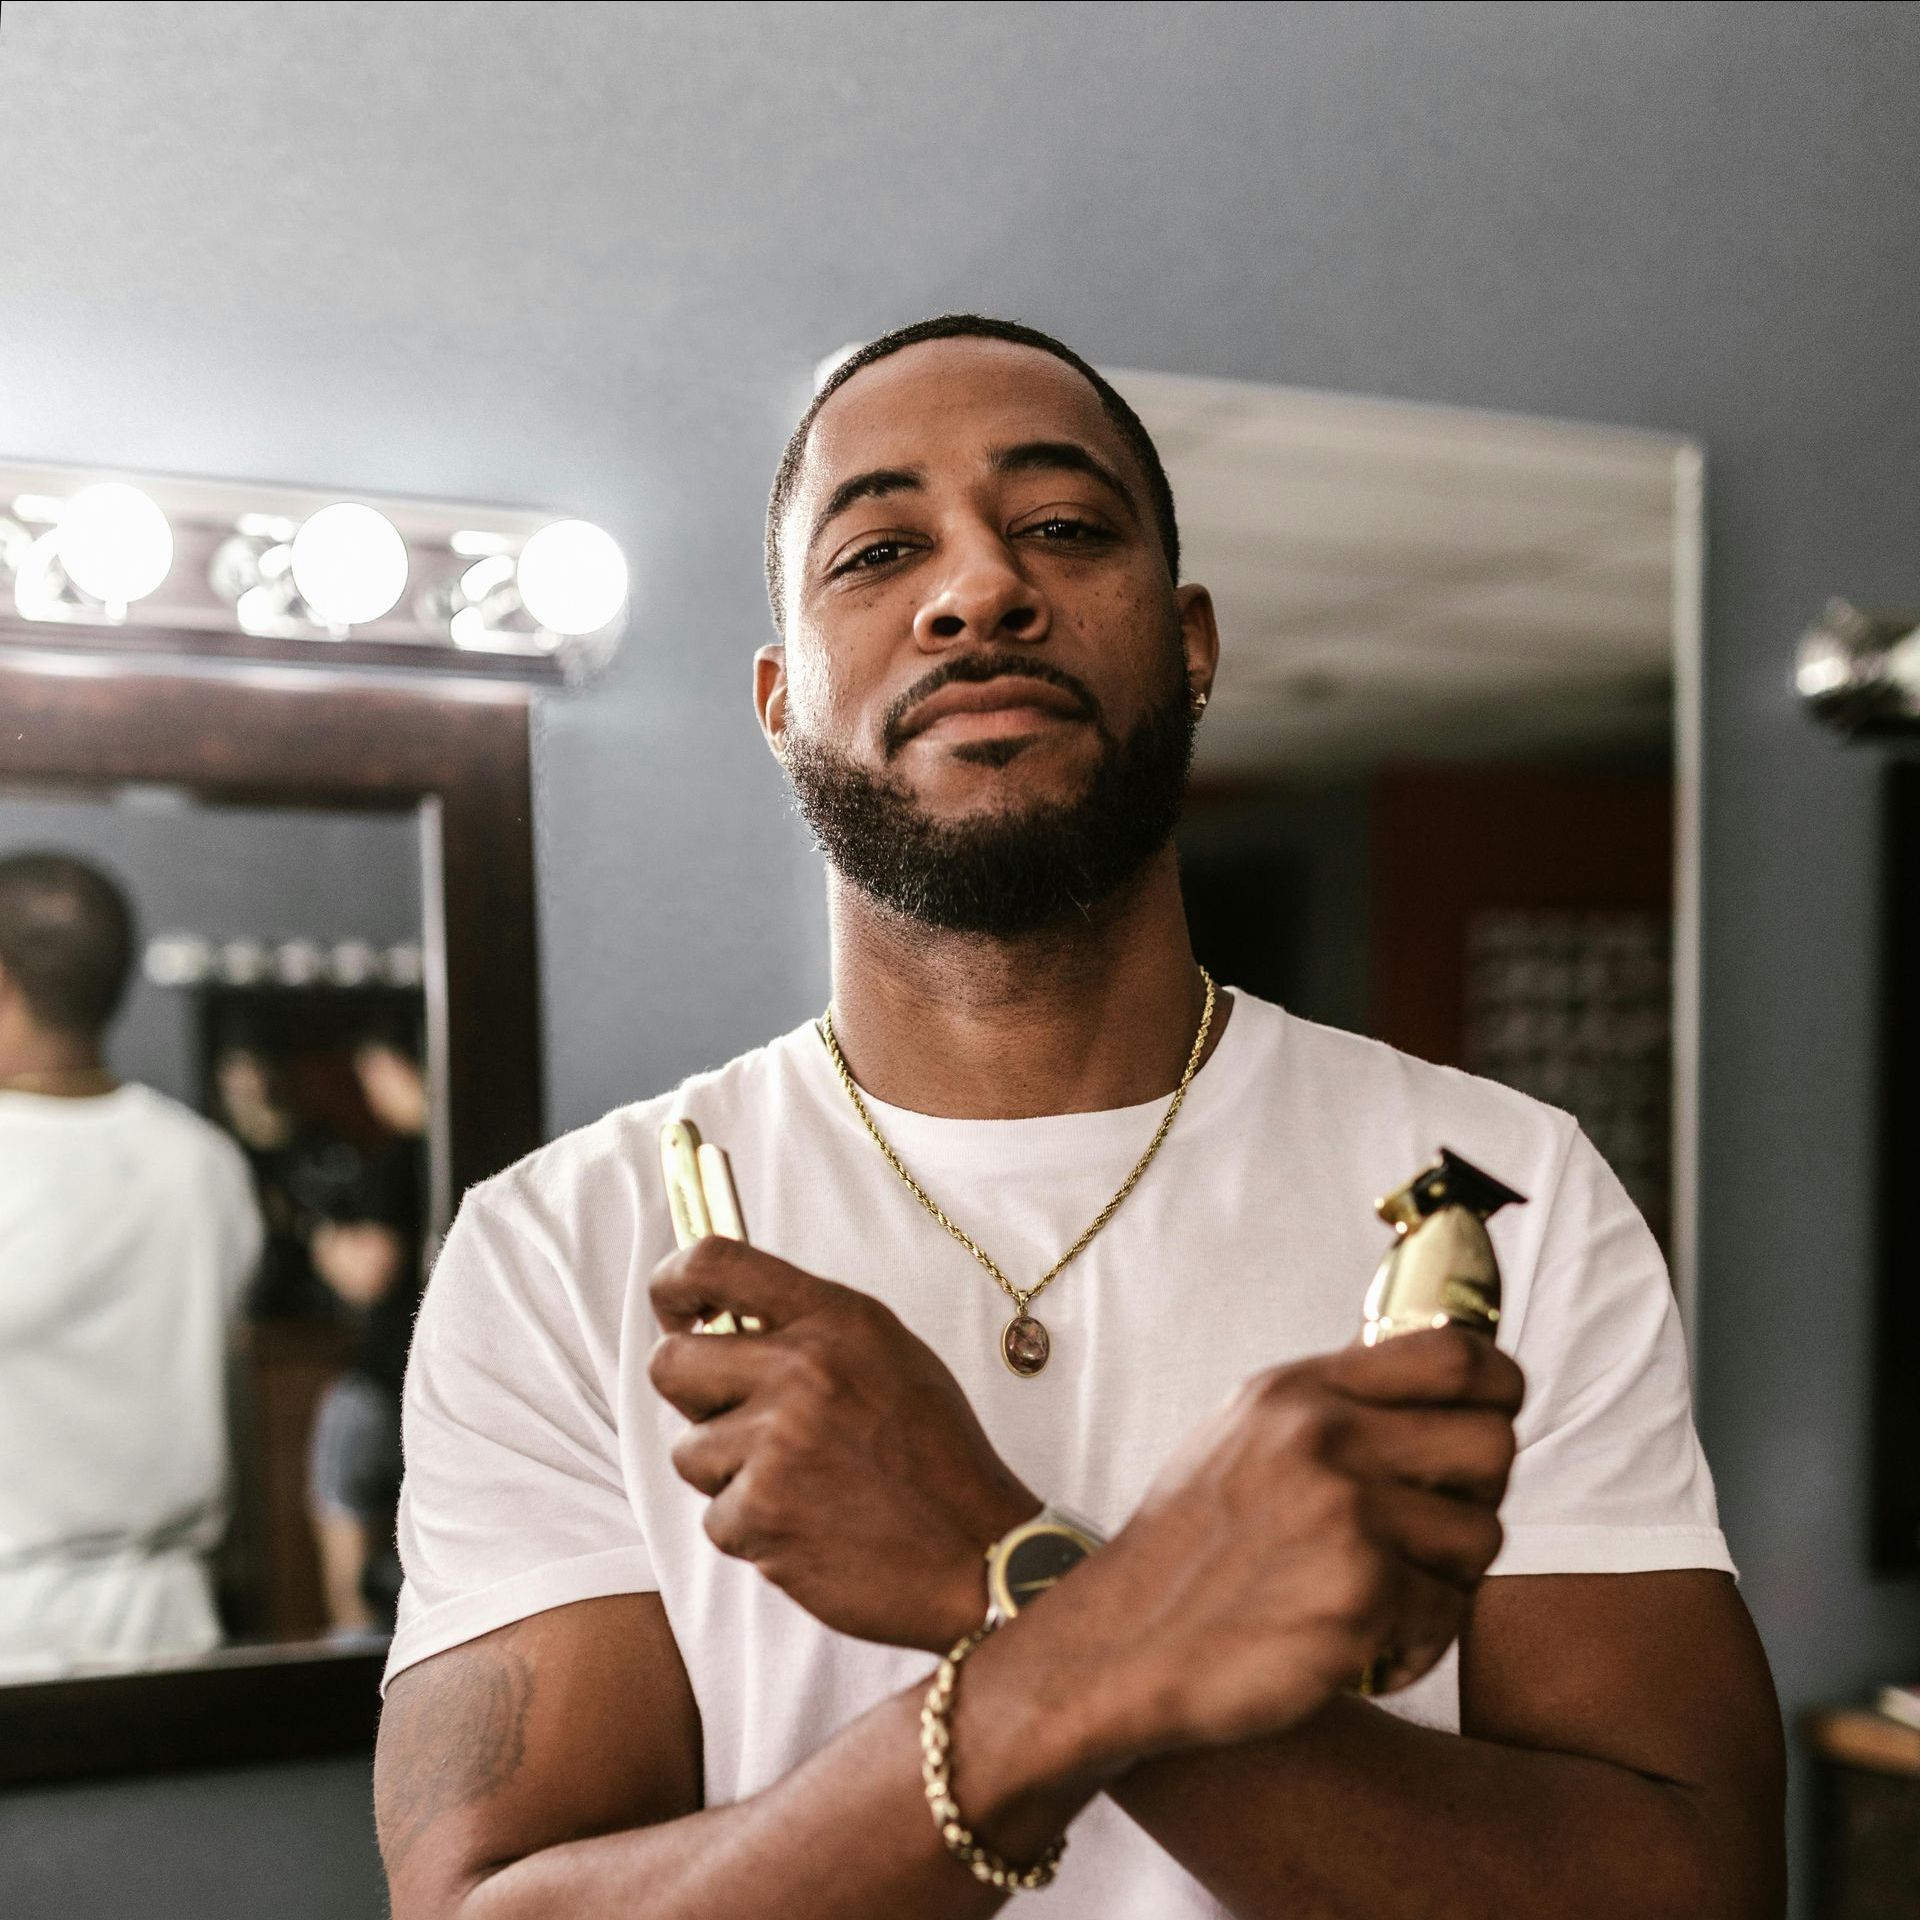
column 349, row 564
column 114, row 543
column 572, row 577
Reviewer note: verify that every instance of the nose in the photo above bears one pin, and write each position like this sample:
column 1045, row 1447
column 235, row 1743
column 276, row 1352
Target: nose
column 983, row 599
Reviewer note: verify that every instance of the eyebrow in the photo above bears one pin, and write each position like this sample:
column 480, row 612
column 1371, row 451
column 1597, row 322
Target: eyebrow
column 1063, row 456
column 871, row 485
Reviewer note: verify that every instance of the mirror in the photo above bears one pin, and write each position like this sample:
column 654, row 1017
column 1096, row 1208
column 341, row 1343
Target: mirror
column 199, row 1374
column 1437, row 791
column 214, row 1220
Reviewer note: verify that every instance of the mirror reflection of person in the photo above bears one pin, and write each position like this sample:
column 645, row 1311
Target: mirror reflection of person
column 250, row 1102
column 673, row 1599
column 128, row 1231
column 365, row 1245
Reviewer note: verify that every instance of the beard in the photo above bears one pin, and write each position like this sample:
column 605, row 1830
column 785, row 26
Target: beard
column 1010, row 870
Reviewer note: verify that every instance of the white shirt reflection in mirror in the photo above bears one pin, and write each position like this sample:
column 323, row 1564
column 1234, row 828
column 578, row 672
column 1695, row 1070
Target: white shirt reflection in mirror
column 211, row 1219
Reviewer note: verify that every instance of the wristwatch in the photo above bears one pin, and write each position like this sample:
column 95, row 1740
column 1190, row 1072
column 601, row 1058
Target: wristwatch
column 1033, row 1556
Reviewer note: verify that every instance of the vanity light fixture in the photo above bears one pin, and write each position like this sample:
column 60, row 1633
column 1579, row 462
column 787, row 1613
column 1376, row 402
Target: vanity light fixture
column 567, row 584
column 220, row 570
column 348, row 564
column 185, row 959
column 572, row 578
column 86, row 557
column 114, row 543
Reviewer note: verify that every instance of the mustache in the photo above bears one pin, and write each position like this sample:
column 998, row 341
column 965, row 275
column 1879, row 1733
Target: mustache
column 989, row 664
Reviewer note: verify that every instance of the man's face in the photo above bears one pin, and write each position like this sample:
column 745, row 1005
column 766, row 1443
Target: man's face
column 986, row 659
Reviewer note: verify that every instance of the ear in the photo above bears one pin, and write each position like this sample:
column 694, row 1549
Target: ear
column 770, row 694
column 1199, row 639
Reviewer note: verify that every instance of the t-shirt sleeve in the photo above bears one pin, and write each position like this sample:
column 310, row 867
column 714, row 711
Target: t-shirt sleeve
column 1609, row 1477
column 513, row 1500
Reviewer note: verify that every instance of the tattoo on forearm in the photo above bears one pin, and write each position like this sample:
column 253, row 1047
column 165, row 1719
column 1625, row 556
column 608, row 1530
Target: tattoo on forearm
column 449, row 1742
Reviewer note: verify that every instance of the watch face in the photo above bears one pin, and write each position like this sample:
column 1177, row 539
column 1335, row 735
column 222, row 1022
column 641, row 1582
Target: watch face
column 1034, row 1562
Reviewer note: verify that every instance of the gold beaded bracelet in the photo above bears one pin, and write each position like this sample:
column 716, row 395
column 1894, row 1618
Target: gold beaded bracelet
column 936, row 1769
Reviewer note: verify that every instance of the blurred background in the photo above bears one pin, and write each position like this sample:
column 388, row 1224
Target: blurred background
column 1437, row 310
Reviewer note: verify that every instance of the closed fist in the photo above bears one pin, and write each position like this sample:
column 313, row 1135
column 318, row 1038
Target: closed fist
column 841, row 1457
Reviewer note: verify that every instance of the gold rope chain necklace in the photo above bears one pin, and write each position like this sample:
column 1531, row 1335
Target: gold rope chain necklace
column 1025, row 1345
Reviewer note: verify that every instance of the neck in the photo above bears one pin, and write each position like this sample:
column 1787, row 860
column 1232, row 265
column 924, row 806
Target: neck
column 45, row 1062
column 1072, row 1018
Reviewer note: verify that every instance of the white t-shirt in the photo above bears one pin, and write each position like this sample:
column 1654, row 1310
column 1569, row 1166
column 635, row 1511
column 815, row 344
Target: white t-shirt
column 127, row 1229
column 537, row 1451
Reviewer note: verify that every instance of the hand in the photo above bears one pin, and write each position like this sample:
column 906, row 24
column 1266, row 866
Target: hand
column 1334, row 1511
column 359, row 1259
column 842, row 1457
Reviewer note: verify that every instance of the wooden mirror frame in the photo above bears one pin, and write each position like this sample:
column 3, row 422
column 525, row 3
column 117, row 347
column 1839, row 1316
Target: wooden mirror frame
column 457, row 752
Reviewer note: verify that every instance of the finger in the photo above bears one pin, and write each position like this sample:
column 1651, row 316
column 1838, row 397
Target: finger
column 714, row 1275
column 736, row 1520
column 1464, row 1451
column 1452, row 1540
column 1444, row 1366
column 708, row 1456
column 702, row 1376
column 1424, row 1618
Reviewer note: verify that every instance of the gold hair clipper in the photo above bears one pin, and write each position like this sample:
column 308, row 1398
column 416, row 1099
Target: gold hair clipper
column 702, row 1200
column 1440, row 1271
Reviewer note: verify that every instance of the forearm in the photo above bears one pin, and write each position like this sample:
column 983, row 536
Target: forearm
column 847, row 1835
column 1358, row 1813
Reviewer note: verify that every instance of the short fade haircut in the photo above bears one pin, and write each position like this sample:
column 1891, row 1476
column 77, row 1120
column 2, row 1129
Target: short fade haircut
column 968, row 326
column 66, row 940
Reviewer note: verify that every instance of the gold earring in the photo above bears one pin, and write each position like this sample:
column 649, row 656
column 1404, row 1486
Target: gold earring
column 1199, row 703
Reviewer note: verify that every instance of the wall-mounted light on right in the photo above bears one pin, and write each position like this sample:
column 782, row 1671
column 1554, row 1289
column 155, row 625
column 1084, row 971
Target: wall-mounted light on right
column 1858, row 668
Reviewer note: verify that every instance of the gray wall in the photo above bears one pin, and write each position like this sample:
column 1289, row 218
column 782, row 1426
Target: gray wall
column 585, row 256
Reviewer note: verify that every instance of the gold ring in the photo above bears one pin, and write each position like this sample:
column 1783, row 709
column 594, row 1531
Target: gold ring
column 1373, row 1676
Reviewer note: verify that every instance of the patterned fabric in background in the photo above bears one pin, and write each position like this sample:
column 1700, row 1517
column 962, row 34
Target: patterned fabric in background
column 1576, row 1009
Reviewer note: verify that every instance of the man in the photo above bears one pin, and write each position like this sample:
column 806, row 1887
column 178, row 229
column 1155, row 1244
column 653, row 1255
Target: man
column 664, row 1646
column 127, row 1231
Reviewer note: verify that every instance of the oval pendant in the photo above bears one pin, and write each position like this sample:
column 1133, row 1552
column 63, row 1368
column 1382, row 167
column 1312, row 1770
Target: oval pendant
column 1024, row 1345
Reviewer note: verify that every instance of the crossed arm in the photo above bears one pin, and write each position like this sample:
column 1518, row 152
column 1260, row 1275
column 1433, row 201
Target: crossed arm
column 1621, row 1753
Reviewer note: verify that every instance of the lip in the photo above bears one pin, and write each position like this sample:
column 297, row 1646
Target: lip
column 1009, row 696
